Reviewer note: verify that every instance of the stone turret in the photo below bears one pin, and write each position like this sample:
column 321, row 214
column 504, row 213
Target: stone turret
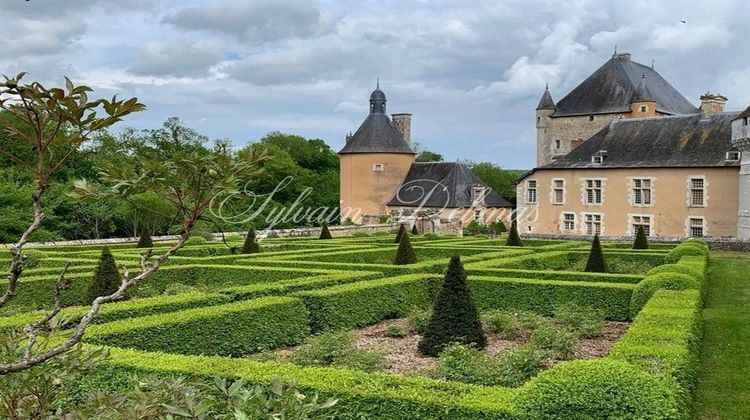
column 643, row 103
column 741, row 143
column 544, row 111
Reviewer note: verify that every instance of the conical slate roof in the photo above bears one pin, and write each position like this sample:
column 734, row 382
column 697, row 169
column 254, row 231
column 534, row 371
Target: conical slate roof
column 546, row 102
column 611, row 88
column 376, row 134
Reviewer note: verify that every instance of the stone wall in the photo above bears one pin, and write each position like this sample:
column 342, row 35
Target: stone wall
column 567, row 130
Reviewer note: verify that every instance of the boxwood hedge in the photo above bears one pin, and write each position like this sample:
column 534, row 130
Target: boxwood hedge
column 283, row 287
column 668, row 280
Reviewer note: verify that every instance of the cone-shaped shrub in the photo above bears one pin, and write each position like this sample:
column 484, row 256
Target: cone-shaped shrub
column 455, row 318
column 145, row 240
column 251, row 245
column 513, row 238
column 324, row 232
column 414, row 230
column 501, row 226
column 641, row 241
column 405, row 253
column 106, row 277
column 596, row 263
column 401, row 231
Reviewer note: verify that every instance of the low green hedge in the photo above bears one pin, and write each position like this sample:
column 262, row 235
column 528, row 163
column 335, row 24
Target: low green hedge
column 685, row 248
column 367, row 302
column 234, row 329
column 669, row 280
column 678, row 268
column 554, row 275
column 544, row 296
column 283, row 287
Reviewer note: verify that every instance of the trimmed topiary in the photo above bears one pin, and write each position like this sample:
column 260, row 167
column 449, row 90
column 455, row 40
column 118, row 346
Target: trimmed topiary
column 144, row 241
column 106, row 277
column 414, row 230
column 405, row 253
column 678, row 268
column 641, row 241
column 324, row 232
column 251, row 245
column 513, row 238
column 684, row 249
column 400, row 233
column 455, row 318
column 596, row 262
column 596, row 389
column 648, row 286
column 501, row 228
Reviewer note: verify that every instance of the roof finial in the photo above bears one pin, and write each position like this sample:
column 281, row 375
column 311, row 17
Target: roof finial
column 546, row 85
column 377, row 86
column 615, row 53
column 652, row 63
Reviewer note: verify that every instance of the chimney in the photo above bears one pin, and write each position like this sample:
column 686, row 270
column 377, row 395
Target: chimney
column 624, row 56
column 402, row 123
column 712, row 104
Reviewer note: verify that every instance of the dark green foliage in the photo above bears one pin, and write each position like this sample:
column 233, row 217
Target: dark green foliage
column 641, row 241
column 504, row 324
column 474, row 228
column 336, row 349
column 144, row 241
column 513, row 238
column 106, row 279
column 501, row 228
column 400, row 233
column 596, row 262
column 324, row 232
column 509, row 368
column 455, row 318
column 405, row 253
column 670, row 281
column 251, row 245
column 414, row 230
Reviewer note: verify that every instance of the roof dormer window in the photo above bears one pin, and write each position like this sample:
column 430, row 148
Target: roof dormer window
column 733, row 156
column 599, row 157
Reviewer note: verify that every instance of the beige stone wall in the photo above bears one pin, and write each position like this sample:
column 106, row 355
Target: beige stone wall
column 365, row 190
column 567, row 130
column 464, row 215
column 669, row 211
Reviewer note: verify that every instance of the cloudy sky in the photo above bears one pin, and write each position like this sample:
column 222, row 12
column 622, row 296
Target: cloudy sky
column 471, row 72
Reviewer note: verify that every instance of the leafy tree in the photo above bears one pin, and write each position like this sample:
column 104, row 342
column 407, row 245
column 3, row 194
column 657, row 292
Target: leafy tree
column 414, row 230
column 405, row 253
column 400, row 233
column 106, row 277
column 596, row 262
column 455, row 318
column 428, row 156
column 144, row 241
column 513, row 238
column 641, row 241
column 324, row 232
column 251, row 245
column 499, row 179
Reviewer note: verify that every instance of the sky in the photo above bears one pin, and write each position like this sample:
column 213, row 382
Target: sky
column 470, row 72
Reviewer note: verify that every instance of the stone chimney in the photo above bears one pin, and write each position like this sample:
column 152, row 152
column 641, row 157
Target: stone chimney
column 625, row 56
column 402, row 123
column 712, row 104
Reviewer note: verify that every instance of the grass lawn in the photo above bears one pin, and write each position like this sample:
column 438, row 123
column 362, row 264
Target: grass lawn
column 724, row 386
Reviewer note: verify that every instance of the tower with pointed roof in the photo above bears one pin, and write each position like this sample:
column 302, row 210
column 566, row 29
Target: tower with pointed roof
column 643, row 104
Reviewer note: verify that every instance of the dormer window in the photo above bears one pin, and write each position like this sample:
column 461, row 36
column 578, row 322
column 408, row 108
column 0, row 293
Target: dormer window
column 733, row 156
column 477, row 195
column 599, row 157
column 644, row 108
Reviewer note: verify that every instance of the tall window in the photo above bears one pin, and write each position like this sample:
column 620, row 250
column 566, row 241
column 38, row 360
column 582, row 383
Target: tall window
column 593, row 191
column 593, row 224
column 642, row 192
column 569, row 221
column 641, row 221
column 531, row 192
column 558, row 191
column 697, row 227
column 697, row 192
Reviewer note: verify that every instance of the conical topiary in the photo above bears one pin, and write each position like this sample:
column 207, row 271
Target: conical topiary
column 414, row 230
column 501, row 228
column 513, row 238
column 455, row 318
column 641, row 241
column 405, row 253
column 145, row 239
column 106, row 277
column 596, row 263
column 401, row 231
column 324, row 232
column 251, row 245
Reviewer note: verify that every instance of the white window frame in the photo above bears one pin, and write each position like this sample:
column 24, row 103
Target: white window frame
column 689, row 226
column 733, row 156
column 554, row 189
column 378, row 167
column 691, row 189
column 632, row 224
column 585, row 223
column 529, row 189
column 585, row 191
column 634, row 187
column 564, row 222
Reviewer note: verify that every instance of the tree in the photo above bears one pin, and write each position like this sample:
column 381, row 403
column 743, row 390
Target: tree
column 596, row 262
column 324, row 232
column 144, row 240
column 414, row 230
column 513, row 238
column 455, row 318
column 405, row 253
column 106, row 276
column 641, row 241
column 499, row 179
column 400, row 233
column 428, row 156
column 251, row 245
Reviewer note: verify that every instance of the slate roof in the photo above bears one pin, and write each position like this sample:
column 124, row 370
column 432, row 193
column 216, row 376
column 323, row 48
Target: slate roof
column 441, row 184
column 664, row 142
column 376, row 135
column 611, row 88
column 546, row 102
column 743, row 114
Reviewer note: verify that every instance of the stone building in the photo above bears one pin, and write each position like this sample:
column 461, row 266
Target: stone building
column 624, row 149
column 379, row 177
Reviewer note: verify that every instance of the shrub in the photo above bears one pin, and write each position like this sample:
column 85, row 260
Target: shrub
column 455, row 318
column 501, row 228
column 144, row 241
column 519, row 364
column 641, row 241
column 511, row 368
column 405, row 253
column 513, row 238
column 462, row 363
column 196, row 240
column 596, row 262
column 396, row 331
column 336, row 349
column 324, row 232
column 670, row 281
column 682, row 250
column 678, row 268
column 106, row 279
column 474, row 228
column 251, row 245
column 400, row 233
column 595, row 389
column 418, row 319
column 558, row 340
column 502, row 323
column 529, row 321
column 431, row 236
column 583, row 320
column 414, row 230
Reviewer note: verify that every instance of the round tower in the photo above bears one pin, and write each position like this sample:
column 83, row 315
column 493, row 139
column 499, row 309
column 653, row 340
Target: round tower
column 373, row 163
column 546, row 148
column 741, row 143
column 643, row 104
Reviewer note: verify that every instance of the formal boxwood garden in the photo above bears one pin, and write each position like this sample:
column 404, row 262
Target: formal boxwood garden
column 210, row 310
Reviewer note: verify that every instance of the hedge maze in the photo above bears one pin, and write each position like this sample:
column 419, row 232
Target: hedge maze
column 209, row 308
